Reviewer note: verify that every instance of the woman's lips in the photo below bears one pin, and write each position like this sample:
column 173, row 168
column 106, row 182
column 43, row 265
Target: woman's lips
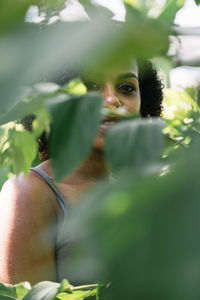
column 109, row 121
column 106, row 124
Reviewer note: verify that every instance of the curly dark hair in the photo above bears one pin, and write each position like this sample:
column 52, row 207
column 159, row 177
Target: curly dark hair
column 151, row 92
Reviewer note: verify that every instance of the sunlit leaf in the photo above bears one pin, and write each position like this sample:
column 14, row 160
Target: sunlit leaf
column 22, row 150
column 77, row 295
column 75, row 86
column 22, row 289
column 136, row 4
column 65, row 286
column 168, row 14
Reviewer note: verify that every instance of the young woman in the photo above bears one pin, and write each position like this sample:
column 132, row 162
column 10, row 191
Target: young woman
column 30, row 207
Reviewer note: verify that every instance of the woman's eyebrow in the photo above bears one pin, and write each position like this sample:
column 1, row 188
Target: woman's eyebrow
column 127, row 75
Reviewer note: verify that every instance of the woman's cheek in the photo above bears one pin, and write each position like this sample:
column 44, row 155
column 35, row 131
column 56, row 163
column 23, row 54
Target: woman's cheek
column 133, row 104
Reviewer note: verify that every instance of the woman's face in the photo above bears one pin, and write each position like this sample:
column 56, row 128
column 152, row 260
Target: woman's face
column 118, row 91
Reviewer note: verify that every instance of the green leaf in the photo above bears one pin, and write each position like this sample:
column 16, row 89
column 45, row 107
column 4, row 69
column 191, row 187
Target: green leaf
column 168, row 14
column 54, row 5
column 139, row 37
column 4, row 171
column 77, row 295
column 29, row 55
column 11, row 13
column 151, row 249
column 75, row 86
column 44, row 290
column 75, row 125
column 198, row 97
column 22, row 289
column 134, row 143
column 22, row 150
column 64, row 286
column 11, row 292
column 8, row 297
column 93, row 10
column 7, row 290
column 22, row 109
column 197, row 2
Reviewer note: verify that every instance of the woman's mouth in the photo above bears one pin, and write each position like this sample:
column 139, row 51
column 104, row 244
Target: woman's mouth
column 107, row 122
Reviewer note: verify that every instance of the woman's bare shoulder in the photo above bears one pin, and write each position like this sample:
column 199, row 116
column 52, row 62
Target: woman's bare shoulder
column 28, row 190
column 27, row 230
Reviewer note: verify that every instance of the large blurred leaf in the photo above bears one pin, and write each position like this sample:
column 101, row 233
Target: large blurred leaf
column 161, row 244
column 134, row 143
column 11, row 13
column 75, row 125
column 144, row 233
column 29, row 54
column 139, row 37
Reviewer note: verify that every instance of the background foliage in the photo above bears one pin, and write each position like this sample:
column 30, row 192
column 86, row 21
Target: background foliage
column 141, row 226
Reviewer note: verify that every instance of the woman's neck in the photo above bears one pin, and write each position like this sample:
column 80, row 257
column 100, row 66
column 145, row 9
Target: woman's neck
column 85, row 176
column 93, row 168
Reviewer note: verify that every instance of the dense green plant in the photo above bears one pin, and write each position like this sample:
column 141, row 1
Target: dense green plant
column 141, row 226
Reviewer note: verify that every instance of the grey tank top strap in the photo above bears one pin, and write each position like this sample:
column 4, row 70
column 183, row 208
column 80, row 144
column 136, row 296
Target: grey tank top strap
column 49, row 180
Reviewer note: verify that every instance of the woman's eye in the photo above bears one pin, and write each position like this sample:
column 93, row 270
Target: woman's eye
column 92, row 85
column 127, row 88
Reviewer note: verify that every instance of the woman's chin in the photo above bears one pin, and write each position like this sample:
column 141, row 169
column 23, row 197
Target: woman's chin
column 98, row 143
column 99, row 140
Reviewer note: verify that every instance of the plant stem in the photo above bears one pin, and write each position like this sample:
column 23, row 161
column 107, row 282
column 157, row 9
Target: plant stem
column 82, row 287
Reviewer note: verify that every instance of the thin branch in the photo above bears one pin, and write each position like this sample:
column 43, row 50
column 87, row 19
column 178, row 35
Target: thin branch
column 83, row 287
column 178, row 30
column 188, row 62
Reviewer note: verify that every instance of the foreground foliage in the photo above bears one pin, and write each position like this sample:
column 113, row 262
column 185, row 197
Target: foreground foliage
column 49, row 290
column 140, row 228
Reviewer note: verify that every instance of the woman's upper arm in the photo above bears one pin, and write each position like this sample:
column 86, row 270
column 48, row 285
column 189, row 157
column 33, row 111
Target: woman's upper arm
column 27, row 232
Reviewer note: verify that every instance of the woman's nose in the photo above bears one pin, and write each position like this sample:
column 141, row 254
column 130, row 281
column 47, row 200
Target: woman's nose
column 109, row 96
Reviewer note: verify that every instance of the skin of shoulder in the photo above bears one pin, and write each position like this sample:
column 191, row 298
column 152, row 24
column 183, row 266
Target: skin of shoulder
column 27, row 230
